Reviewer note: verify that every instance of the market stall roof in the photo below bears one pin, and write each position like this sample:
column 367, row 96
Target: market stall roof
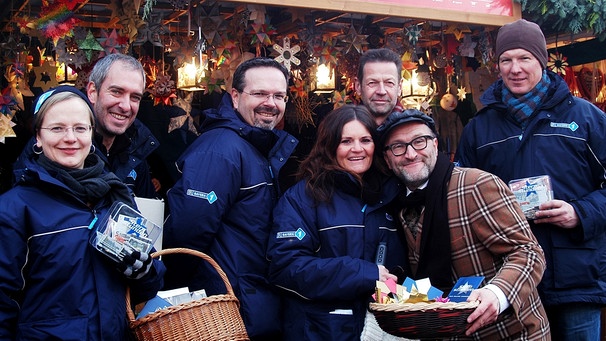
column 390, row 15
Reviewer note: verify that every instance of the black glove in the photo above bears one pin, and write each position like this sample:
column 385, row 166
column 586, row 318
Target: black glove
column 135, row 265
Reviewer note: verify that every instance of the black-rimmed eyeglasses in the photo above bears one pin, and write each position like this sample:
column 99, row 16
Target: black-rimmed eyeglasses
column 260, row 95
column 399, row 148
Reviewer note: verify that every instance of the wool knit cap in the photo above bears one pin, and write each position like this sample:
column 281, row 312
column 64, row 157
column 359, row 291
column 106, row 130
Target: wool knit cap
column 522, row 34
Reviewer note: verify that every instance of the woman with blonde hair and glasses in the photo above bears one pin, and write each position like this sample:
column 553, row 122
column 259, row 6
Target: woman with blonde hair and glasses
column 53, row 283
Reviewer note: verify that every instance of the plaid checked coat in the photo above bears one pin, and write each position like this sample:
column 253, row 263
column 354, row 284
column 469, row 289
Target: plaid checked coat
column 490, row 237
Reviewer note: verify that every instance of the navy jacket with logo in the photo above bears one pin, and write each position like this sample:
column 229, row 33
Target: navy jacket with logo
column 222, row 206
column 324, row 258
column 565, row 138
column 54, row 285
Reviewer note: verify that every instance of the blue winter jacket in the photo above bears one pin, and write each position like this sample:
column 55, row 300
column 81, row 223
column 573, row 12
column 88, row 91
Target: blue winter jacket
column 565, row 138
column 324, row 257
column 223, row 206
column 53, row 284
column 128, row 161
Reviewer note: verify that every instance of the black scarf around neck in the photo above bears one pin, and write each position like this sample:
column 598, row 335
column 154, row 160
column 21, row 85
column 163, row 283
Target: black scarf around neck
column 370, row 189
column 434, row 255
column 90, row 183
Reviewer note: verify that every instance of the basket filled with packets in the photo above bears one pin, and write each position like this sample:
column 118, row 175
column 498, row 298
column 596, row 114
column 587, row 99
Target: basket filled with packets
column 407, row 311
column 206, row 318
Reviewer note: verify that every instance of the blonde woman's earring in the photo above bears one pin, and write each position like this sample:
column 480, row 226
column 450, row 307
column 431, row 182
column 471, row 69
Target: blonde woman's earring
column 37, row 149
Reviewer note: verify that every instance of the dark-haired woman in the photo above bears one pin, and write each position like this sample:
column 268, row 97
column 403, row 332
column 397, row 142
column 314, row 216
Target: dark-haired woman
column 329, row 230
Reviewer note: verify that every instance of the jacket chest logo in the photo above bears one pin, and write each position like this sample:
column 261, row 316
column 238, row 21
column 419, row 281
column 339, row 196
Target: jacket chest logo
column 572, row 125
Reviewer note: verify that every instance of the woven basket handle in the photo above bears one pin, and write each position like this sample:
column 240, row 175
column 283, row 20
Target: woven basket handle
column 181, row 250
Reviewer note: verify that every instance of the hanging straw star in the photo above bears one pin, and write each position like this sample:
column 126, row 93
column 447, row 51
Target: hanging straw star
column 6, row 128
column 557, row 63
column 461, row 93
column 287, row 54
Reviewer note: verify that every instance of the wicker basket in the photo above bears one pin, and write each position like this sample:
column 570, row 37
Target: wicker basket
column 423, row 320
column 213, row 318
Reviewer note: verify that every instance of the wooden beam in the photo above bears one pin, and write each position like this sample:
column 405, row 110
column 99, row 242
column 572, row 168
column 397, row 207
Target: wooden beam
column 399, row 9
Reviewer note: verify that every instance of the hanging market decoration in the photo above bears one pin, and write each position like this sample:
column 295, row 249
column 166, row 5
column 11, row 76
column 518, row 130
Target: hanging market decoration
column 448, row 102
column 56, row 19
column 457, row 30
column 461, row 93
column 287, row 53
column 89, row 45
column 45, row 76
column 183, row 121
column 152, row 32
column 163, row 90
column 7, row 102
column 467, row 48
column 557, row 63
column 127, row 12
column 327, row 52
column 110, row 42
column 6, row 128
column 353, row 39
column 485, row 47
column 13, row 84
column 11, row 48
column 256, row 13
column 211, row 23
column 147, row 8
column 261, row 32
column 413, row 33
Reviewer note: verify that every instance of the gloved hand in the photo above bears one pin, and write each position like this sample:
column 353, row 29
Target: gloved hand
column 135, row 265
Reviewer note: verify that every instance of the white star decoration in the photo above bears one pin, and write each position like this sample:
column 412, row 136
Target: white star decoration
column 461, row 93
column 287, row 54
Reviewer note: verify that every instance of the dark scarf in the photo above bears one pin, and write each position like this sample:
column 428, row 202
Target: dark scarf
column 434, row 256
column 89, row 184
column 522, row 107
column 369, row 191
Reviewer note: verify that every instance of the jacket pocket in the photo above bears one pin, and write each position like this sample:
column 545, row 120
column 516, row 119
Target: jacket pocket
column 339, row 325
column 260, row 307
column 65, row 329
column 575, row 264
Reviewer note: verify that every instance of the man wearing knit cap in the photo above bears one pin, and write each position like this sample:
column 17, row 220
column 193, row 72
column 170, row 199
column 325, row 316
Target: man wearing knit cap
column 532, row 125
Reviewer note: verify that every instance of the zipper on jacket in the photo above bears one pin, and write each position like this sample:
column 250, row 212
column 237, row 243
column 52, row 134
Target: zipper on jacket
column 92, row 223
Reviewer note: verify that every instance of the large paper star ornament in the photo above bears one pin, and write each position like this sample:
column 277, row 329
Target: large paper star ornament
column 287, row 53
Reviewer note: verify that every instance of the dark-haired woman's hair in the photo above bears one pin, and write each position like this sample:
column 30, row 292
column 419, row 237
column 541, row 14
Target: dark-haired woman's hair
column 320, row 165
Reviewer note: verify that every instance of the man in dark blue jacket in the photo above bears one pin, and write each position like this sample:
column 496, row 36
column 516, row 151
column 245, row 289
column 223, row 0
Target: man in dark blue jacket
column 223, row 203
column 531, row 125
column 115, row 88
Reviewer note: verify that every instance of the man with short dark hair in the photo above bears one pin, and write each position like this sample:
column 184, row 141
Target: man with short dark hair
column 532, row 125
column 223, row 203
column 379, row 81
